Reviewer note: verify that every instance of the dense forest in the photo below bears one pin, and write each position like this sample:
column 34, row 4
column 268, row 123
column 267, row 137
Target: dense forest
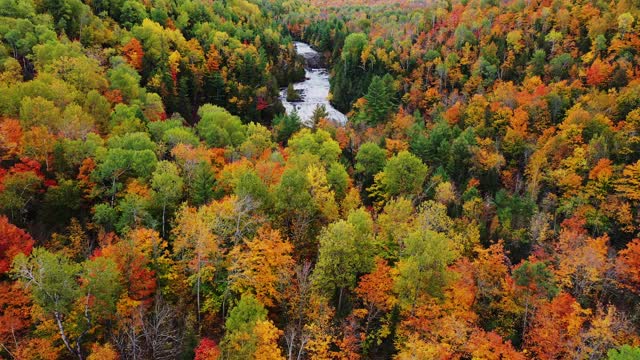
column 481, row 202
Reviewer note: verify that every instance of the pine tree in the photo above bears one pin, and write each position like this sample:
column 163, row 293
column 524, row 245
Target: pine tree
column 319, row 113
column 201, row 191
column 379, row 99
column 292, row 94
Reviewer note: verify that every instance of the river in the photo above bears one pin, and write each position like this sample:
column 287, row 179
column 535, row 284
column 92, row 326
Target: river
column 314, row 90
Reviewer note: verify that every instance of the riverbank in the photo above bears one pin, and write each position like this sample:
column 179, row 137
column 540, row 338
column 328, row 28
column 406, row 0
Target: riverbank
column 314, row 90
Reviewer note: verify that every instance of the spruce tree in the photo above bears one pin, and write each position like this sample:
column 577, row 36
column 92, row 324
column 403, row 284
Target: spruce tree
column 379, row 99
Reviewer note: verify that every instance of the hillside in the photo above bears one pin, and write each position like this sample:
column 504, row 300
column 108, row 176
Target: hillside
column 481, row 202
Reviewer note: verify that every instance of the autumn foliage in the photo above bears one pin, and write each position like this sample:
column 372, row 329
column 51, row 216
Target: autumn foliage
column 157, row 201
column 13, row 241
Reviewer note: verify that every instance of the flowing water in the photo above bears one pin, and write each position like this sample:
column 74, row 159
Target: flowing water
column 314, row 90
